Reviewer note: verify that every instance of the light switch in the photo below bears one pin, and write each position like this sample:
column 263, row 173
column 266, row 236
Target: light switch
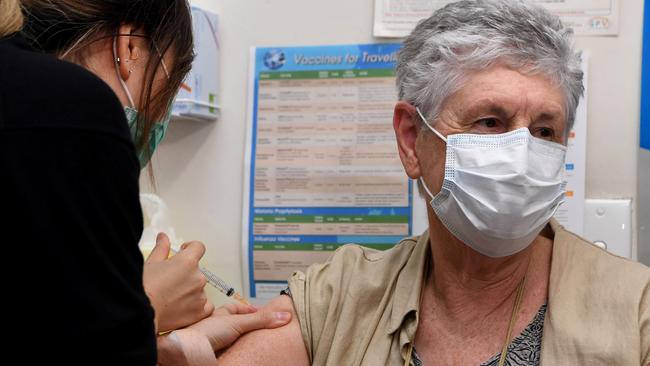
column 608, row 225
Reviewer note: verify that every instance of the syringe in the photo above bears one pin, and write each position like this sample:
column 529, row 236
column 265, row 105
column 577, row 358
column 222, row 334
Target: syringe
column 220, row 284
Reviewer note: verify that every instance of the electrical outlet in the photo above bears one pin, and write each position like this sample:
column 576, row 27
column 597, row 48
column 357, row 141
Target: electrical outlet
column 608, row 224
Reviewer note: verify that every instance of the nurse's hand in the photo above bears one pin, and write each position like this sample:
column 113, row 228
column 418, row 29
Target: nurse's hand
column 175, row 285
column 198, row 344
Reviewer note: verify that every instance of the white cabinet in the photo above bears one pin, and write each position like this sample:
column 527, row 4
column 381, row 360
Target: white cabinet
column 198, row 97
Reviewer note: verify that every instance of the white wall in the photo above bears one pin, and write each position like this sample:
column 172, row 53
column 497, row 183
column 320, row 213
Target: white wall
column 199, row 167
column 614, row 109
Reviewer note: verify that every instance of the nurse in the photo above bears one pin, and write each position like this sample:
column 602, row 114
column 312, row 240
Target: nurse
column 82, row 83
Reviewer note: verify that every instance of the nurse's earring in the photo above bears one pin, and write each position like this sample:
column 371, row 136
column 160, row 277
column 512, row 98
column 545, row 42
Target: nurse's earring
column 117, row 59
column 130, row 69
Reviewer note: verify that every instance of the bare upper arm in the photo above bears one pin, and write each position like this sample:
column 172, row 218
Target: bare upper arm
column 279, row 346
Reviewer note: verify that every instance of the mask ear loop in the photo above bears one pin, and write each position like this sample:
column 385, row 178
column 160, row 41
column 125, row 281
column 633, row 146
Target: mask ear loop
column 424, row 185
column 428, row 125
column 117, row 70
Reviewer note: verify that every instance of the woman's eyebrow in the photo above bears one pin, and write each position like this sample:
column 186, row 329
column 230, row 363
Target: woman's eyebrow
column 547, row 117
column 551, row 113
column 486, row 106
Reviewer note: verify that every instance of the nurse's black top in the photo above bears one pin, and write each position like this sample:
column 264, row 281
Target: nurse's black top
column 71, row 286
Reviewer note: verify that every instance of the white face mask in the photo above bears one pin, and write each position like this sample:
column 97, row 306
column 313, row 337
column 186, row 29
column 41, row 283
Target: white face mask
column 500, row 190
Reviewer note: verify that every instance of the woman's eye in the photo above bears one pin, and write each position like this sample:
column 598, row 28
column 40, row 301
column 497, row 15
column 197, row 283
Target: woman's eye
column 545, row 133
column 488, row 122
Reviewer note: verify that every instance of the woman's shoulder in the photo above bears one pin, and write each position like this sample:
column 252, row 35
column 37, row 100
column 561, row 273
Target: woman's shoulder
column 599, row 306
column 39, row 90
column 358, row 271
column 594, row 281
column 573, row 253
column 365, row 261
column 341, row 301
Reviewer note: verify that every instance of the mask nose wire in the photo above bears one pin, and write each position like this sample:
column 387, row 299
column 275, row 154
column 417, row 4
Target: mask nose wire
column 443, row 138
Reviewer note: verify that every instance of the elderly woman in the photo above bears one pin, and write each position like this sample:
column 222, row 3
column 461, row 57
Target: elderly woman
column 488, row 92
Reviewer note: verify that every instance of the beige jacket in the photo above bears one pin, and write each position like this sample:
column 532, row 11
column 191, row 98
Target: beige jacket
column 361, row 307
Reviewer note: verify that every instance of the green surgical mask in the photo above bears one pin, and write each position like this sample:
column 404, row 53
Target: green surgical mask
column 156, row 134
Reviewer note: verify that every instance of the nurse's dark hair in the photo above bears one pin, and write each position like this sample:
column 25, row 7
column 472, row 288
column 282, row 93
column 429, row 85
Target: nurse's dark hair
column 68, row 26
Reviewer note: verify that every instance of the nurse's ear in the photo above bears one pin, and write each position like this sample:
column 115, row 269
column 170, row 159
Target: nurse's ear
column 406, row 126
column 128, row 50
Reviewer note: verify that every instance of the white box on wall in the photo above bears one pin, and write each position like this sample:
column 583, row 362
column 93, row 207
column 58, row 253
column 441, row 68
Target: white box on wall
column 199, row 97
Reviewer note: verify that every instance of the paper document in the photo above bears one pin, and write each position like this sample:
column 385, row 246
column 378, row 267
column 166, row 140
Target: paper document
column 397, row 18
column 586, row 17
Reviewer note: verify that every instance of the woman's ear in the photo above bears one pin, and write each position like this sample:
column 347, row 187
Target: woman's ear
column 405, row 124
column 127, row 50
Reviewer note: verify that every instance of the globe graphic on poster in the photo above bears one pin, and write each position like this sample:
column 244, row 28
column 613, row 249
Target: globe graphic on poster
column 274, row 59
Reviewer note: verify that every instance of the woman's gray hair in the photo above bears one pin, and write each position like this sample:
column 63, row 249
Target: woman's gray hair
column 472, row 35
